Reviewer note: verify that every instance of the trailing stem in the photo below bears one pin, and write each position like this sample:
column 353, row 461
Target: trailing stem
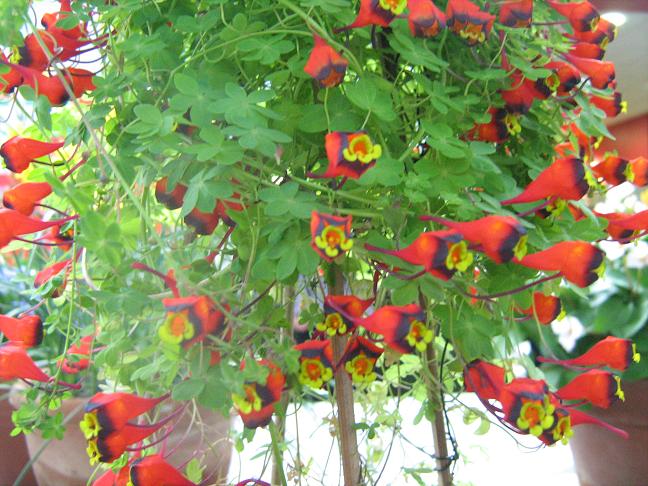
column 347, row 437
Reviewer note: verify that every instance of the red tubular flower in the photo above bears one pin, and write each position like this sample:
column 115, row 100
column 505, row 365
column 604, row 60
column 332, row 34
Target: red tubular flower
column 500, row 237
column 519, row 98
column 605, row 33
column 484, row 379
column 614, row 170
column 15, row 363
column 51, row 87
column 350, row 154
column 611, row 106
column 600, row 388
column 440, row 253
column 257, row 406
column 107, row 447
column 360, row 359
column 403, row 327
column 340, row 312
column 425, row 19
column 153, row 470
column 565, row 77
column 325, row 64
column 190, row 320
column 49, row 21
column 546, row 308
column 58, row 46
column 13, row 224
column 110, row 412
column 82, row 349
column 563, row 179
column 24, row 197
column 52, row 271
column 171, row 199
column 315, row 363
column 26, row 331
column 587, row 50
column 498, row 129
column 582, row 16
column 612, row 351
column 203, row 223
column 468, row 21
column 516, row 14
column 629, row 222
column 376, row 12
column 579, row 262
column 11, row 79
column 601, row 73
column 615, row 231
column 82, row 81
column 330, row 235
column 62, row 238
column 19, row 152
column 639, row 168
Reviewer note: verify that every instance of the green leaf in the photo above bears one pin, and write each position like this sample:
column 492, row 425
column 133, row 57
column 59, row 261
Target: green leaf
column 148, row 114
column 287, row 265
column 188, row 389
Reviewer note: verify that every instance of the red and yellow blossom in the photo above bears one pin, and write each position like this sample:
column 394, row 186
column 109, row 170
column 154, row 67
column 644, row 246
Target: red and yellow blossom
column 376, row 12
column 501, row 237
column 563, row 179
column 350, row 154
column 582, row 16
column 330, row 235
column 404, row 327
column 360, row 359
column 613, row 352
column 614, row 170
column 579, row 262
column 516, row 13
column 256, row 405
column 325, row 65
column 153, row 470
column 15, row 363
column 501, row 126
column 190, row 320
column 600, row 388
column 440, row 253
column 13, row 225
column 601, row 73
column 468, row 21
column 612, row 106
column 340, row 311
column 171, row 199
column 545, row 308
column 315, row 363
column 425, row 19
column 639, row 168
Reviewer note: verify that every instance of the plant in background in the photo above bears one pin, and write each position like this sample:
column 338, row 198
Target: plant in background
column 413, row 170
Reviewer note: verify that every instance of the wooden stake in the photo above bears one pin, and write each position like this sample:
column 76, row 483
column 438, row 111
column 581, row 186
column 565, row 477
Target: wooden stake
column 347, row 437
column 435, row 396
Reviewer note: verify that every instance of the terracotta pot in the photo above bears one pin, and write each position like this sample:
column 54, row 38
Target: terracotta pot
column 605, row 459
column 65, row 462
column 13, row 450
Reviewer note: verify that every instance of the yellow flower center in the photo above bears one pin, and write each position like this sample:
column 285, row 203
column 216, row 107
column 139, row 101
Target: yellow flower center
column 553, row 82
column 562, row 431
column 473, row 32
column 333, row 241
column 176, row 328
column 594, row 23
column 629, row 173
column 459, row 258
column 619, row 392
column 90, row 425
column 520, row 248
column 419, row 335
column 313, row 373
column 362, row 149
column 636, row 357
column 333, row 324
column 512, row 123
column 536, row 417
column 624, row 107
column 93, row 452
column 556, row 208
column 248, row 403
column 361, row 368
column 396, row 7
column 600, row 270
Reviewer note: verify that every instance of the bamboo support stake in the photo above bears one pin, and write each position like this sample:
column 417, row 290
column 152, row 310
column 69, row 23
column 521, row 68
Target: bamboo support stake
column 347, row 437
